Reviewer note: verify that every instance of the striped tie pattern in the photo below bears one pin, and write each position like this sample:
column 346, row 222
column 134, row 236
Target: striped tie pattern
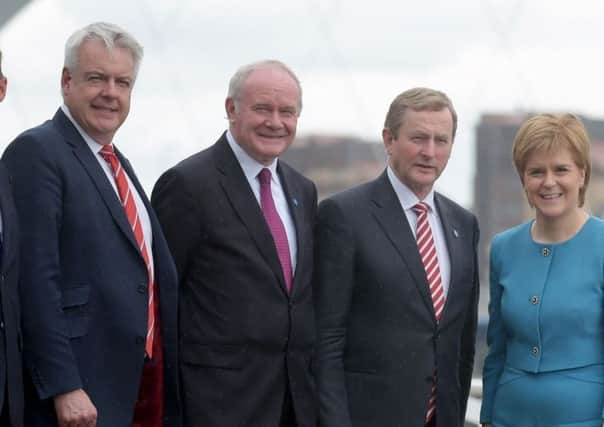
column 275, row 225
column 427, row 252
column 127, row 199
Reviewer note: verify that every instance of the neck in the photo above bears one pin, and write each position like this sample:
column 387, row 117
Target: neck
column 547, row 230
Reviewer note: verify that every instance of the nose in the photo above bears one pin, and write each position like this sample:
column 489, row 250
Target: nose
column 549, row 179
column 428, row 148
column 273, row 121
column 110, row 88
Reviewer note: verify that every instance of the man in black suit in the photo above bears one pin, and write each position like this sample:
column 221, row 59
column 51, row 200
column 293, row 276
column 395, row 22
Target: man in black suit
column 239, row 224
column 396, row 321
column 11, row 378
column 98, row 284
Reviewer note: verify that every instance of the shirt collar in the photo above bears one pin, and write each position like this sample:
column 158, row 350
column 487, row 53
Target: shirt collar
column 406, row 197
column 94, row 146
column 251, row 167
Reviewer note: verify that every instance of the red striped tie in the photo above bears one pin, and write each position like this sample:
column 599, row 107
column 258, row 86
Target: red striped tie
column 127, row 199
column 427, row 252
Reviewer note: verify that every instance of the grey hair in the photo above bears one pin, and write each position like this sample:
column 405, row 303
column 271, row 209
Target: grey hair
column 241, row 75
column 110, row 34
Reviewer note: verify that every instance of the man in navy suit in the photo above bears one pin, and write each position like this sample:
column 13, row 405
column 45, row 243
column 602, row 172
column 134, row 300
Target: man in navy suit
column 11, row 380
column 239, row 223
column 98, row 284
column 397, row 283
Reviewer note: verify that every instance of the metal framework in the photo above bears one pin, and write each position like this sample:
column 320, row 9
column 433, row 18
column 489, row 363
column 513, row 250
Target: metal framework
column 9, row 8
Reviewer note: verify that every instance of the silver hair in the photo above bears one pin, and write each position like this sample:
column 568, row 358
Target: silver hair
column 241, row 75
column 111, row 35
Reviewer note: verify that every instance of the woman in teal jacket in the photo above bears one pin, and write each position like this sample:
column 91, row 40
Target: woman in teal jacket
column 545, row 365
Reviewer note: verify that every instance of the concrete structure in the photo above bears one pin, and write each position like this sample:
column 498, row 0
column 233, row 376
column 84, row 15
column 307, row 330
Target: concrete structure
column 8, row 8
column 336, row 163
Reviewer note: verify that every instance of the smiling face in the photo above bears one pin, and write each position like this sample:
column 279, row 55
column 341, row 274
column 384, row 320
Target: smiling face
column 263, row 119
column 552, row 181
column 98, row 91
column 421, row 150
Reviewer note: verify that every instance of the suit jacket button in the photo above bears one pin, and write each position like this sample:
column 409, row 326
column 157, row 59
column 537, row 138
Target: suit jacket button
column 534, row 300
column 1, row 325
column 140, row 340
column 142, row 289
column 535, row 351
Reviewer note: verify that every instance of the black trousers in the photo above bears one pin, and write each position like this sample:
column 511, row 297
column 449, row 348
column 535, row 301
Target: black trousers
column 288, row 415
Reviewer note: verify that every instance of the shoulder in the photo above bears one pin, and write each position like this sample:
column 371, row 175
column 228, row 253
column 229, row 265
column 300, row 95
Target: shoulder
column 453, row 207
column 594, row 224
column 198, row 168
column 512, row 237
column 40, row 144
column 592, row 233
column 194, row 164
column 354, row 196
column 292, row 174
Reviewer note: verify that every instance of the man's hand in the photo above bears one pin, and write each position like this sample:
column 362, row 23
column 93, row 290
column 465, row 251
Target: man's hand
column 74, row 409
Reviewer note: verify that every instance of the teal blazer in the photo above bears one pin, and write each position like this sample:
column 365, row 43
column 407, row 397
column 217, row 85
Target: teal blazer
column 546, row 308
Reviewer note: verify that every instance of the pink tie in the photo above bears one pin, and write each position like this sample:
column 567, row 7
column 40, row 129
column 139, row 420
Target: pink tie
column 427, row 252
column 275, row 225
column 108, row 153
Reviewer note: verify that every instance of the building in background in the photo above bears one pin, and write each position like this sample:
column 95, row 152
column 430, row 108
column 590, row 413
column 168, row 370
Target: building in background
column 336, row 163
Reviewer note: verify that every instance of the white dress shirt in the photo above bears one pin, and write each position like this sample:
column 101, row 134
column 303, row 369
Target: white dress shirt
column 251, row 168
column 143, row 215
column 408, row 199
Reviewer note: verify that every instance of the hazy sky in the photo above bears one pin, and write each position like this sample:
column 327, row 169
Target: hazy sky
column 352, row 57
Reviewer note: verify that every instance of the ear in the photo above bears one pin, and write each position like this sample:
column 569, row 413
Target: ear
column 229, row 106
column 65, row 80
column 582, row 178
column 388, row 139
column 3, row 84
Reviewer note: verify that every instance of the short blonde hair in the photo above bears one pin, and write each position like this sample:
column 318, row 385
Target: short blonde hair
column 550, row 132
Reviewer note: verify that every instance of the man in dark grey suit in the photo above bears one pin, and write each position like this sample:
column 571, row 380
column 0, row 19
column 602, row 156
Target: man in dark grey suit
column 396, row 316
column 239, row 224
column 11, row 377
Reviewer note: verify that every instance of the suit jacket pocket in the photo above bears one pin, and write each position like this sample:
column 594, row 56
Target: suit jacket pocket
column 214, row 356
column 75, row 307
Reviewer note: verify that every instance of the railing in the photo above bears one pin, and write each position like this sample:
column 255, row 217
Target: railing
column 474, row 402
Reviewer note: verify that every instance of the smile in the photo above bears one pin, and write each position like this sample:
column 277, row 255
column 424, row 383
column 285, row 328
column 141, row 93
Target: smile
column 271, row 136
column 550, row 196
column 110, row 109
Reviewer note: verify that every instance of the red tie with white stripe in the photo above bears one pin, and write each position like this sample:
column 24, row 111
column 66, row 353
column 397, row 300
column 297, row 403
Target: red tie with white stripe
column 127, row 199
column 427, row 252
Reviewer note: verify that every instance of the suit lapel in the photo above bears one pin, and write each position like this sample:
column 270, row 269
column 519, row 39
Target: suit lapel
column 293, row 194
column 391, row 218
column 246, row 206
column 452, row 232
column 8, row 232
column 96, row 173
